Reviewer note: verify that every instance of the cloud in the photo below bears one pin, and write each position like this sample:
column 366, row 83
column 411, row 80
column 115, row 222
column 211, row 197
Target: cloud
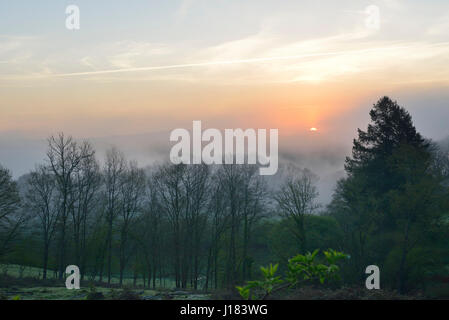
column 184, row 8
column 132, row 53
column 440, row 28
column 15, row 52
column 263, row 58
column 267, row 56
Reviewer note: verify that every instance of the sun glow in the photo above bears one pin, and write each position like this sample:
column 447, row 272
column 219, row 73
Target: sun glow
column 313, row 129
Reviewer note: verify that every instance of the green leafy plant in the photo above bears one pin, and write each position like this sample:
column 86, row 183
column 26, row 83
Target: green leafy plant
column 301, row 269
column 266, row 285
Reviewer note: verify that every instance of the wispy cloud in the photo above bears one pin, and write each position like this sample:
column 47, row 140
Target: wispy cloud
column 313, row 60
column 265, row 56
column 440, row 27
column 184, row 8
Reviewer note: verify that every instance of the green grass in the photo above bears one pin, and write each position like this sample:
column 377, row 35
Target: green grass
column 29, row 289
column 33, row 272
column 14, row 270
column 60, row 293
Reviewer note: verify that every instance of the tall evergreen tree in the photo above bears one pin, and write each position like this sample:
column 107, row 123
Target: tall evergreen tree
column 390, row 192
column 391, row 127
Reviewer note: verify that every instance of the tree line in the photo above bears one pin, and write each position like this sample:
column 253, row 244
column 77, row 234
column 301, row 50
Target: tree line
column 191, row 223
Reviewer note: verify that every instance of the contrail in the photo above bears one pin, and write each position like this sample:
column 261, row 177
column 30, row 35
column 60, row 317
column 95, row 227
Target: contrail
column 212, row 63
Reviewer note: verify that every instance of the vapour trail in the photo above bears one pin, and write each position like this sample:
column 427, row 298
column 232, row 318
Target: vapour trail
column 225, row 62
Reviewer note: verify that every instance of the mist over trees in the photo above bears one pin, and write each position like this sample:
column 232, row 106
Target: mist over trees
column 211, row 227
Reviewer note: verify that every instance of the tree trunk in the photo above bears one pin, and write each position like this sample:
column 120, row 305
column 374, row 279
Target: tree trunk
column 109, row 249
column 44, row 276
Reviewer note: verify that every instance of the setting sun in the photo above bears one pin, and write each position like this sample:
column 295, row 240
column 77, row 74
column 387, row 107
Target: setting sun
column 313, row 129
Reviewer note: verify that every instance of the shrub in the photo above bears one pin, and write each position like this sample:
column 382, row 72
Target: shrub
column 301, row 269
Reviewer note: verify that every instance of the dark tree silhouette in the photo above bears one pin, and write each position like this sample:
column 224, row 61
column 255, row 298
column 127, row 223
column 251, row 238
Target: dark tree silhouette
column 9, row 204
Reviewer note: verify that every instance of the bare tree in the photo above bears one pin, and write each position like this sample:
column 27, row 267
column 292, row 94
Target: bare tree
column 230, row 178
column 254, row 193
column 64, row 156
column 10, row 217
column 41, row 198
column 87, row 181
column 173, row 201
column 131, row 191
column 196, row 184
column 217, row 208
column 112, row 173
column 296, row 199
column 150, row 229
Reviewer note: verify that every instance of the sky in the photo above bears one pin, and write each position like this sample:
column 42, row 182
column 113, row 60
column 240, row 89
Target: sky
column 136, row 70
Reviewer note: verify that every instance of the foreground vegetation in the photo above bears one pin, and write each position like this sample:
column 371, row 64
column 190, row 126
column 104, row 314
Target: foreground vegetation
column 29, row 288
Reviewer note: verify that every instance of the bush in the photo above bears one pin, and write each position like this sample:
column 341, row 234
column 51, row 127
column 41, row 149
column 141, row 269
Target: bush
column 302, row 269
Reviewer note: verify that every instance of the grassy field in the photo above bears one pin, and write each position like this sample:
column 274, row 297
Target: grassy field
column 25, row 283
column 19, row 271
column 61, row 293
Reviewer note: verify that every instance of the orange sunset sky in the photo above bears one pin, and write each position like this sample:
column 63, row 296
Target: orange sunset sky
column 154, row 66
